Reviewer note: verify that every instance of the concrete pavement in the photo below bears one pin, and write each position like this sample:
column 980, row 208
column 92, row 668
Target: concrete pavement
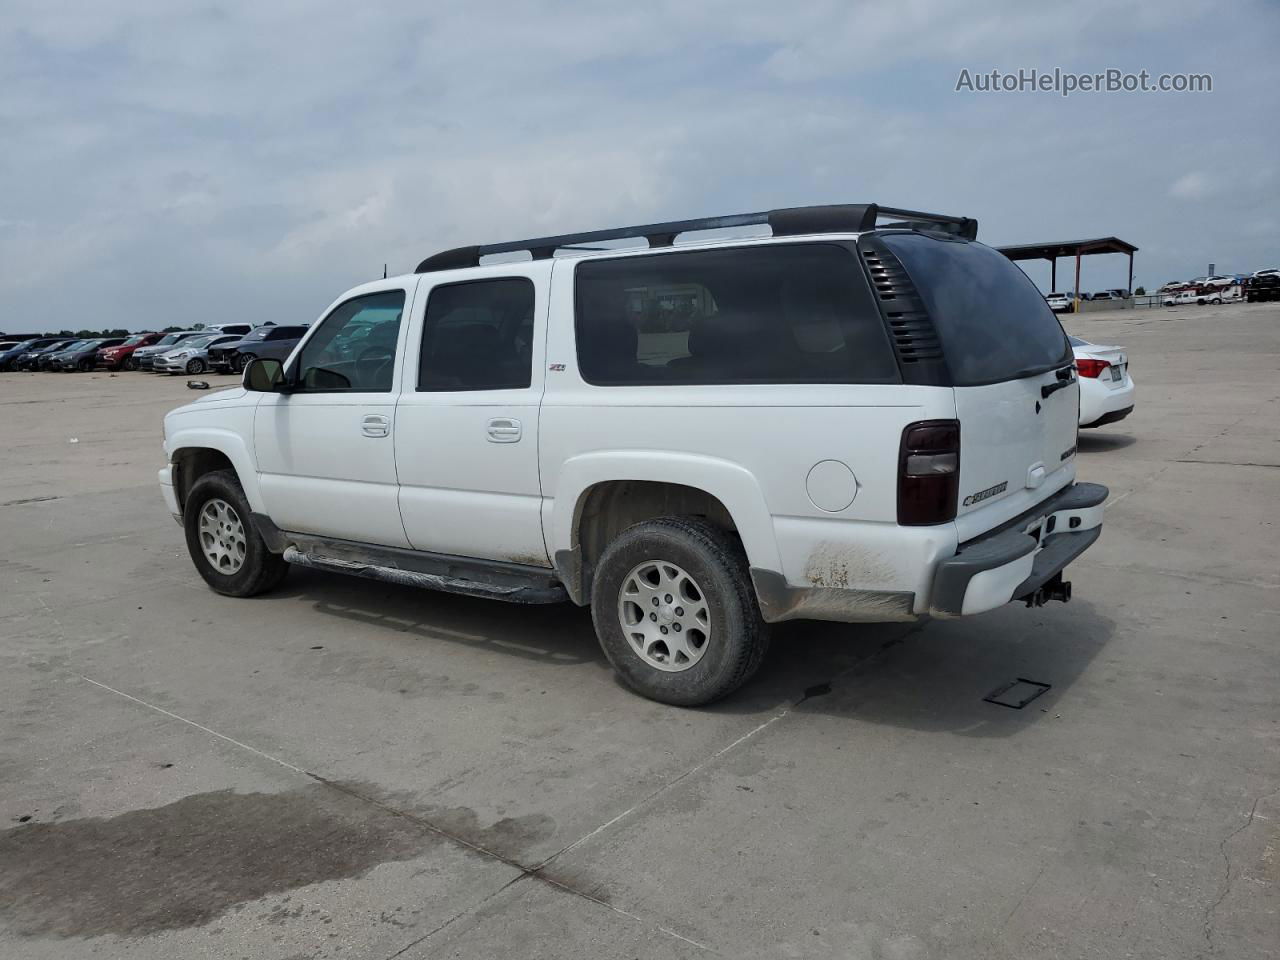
column 349, row 769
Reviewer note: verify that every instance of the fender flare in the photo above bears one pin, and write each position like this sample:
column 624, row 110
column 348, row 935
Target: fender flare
column 730, row 483
column 232, row 446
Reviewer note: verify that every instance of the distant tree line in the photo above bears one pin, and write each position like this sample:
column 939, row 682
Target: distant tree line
column 103, row 334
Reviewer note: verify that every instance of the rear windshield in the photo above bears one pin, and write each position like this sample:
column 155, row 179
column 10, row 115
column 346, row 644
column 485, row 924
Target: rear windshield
column 992, row 320
column 775, row 313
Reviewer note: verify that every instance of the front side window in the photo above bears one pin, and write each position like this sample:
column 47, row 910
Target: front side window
column 478, row 336
column 776, row 313
column 355, row 347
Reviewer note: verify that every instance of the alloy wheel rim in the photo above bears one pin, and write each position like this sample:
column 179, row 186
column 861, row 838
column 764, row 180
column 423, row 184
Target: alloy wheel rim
column 664, row 615
column 222, row 536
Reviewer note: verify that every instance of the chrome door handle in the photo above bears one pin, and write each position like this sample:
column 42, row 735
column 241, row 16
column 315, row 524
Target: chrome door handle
column 503, row 430
column 375, row 425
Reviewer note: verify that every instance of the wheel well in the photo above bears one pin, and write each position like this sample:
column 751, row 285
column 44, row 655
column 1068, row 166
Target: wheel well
column 608, row 508
column 191, row 464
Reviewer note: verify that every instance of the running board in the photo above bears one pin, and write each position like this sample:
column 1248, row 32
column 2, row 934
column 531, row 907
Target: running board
column 492, row 579
column 528, row 593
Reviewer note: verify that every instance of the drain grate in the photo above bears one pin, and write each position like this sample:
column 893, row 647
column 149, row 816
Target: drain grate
column 1016, row 694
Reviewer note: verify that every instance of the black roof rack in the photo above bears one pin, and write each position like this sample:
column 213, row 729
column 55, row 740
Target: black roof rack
column 787, row 222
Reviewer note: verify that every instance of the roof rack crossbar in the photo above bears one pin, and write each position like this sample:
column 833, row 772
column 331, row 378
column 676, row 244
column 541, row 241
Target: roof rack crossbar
column 789, row 221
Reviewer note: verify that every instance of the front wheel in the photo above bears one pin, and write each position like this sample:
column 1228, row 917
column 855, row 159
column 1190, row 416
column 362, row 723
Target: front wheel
column 195, row 365
column 225, row 546
column 85, row 366
column 243, row 360
column 675, row 611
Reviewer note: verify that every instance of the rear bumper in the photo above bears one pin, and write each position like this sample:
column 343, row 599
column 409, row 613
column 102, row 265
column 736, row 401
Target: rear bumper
column 1100, row 400
column 1015, row 562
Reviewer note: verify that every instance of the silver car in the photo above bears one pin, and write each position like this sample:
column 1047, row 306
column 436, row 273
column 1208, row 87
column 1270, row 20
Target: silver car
column 145, row 355
column 191, row 355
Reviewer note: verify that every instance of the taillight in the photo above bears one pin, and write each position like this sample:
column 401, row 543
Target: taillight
column 1091, row 368
column 928, row 472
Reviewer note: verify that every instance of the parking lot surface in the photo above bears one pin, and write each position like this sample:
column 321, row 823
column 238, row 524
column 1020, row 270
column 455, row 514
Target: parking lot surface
column 350, row 769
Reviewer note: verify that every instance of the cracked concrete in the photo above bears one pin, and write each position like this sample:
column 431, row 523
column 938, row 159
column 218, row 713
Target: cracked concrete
column 348, row 769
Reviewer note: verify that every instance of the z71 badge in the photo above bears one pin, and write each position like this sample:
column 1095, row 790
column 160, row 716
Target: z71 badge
column 986, row 494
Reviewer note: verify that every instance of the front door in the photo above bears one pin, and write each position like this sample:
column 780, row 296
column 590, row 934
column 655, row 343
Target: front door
column 326, row 449
column 467, row 423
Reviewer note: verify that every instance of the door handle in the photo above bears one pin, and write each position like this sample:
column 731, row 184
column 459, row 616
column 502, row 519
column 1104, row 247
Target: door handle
column 503, row 430
column 375, row 425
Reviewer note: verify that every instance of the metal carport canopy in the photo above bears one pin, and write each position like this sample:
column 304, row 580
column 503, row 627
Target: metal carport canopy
column 1070, row 248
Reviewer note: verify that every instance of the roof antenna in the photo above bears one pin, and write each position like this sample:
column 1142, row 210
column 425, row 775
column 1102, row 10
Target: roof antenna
column 384, row 271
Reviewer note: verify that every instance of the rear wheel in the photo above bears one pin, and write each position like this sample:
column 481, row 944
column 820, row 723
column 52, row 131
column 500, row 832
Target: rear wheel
column 675, row 612
column 225, row 546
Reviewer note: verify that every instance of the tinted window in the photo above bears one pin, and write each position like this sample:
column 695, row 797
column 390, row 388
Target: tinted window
column 282, row 333
column 478, row 336
column 355, row 347
column 794, row 313
column 993, row 323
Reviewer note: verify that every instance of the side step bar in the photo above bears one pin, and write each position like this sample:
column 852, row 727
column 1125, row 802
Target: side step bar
column 492, row 579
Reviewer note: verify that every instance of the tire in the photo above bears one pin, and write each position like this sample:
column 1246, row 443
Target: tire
column 242, row 361
column 195, row 365
column 85, row 366
column 259, row 569
column 736, row 637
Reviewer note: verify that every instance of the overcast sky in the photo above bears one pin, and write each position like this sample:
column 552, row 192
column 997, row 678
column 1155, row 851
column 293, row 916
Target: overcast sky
column 172, row 163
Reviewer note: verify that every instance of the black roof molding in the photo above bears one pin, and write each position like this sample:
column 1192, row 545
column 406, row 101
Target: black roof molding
column 786, row 222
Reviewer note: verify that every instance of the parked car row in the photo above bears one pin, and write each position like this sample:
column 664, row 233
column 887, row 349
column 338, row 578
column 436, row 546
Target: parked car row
column 1207, row 295
column 226, row 348
column 1066, row 302
column 1199, row 285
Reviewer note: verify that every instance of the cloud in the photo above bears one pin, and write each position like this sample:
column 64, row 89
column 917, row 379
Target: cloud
column 1193, row 186
column 256, row 159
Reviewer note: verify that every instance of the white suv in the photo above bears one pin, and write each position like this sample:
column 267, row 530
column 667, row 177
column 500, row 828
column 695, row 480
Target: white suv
column 842, row 420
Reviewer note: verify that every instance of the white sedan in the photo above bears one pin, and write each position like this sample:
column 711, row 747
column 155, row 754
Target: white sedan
column 1106, row 389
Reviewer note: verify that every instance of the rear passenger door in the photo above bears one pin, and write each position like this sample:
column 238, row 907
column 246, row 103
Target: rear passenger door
column 467, row 422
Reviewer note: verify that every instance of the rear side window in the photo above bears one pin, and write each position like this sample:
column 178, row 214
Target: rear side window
column 993, row 323
column 779, row 313
column 478, row 336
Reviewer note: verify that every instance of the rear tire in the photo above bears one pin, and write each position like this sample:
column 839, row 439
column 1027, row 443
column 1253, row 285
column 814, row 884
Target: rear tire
column 707, row 565
column 225, row 546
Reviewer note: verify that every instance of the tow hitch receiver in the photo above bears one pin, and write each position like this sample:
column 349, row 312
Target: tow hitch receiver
column 1055, row 588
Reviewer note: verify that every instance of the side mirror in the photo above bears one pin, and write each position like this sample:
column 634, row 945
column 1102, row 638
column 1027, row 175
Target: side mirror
column 263, row 375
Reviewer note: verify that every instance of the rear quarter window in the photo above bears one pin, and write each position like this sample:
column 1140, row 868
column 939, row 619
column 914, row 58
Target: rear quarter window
column 992, row 321
column 773, row 313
